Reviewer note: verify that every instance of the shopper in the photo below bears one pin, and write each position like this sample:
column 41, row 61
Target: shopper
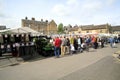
column 111, row 40
column 57, row 45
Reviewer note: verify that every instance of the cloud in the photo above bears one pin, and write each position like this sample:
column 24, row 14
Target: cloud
column 2, row 15
column 92, row 6
column 110, row 2
column 87, row 11
column 10, row 22
column 65, row 9
column 1, row 5
column 75, row 6
column 60, row 10
column 72, row 2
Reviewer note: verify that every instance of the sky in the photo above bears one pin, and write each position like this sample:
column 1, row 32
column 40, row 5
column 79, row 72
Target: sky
column 74, row 12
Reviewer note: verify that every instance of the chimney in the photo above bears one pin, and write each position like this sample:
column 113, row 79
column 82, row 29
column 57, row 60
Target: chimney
column 46, row 21
column 33, row 18
column 26, row 18
column 41, row 20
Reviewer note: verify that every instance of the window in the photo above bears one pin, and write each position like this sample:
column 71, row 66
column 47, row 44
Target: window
column 100, row 31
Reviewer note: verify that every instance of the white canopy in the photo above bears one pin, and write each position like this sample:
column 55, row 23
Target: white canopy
column 24, row 30
column 21, row 30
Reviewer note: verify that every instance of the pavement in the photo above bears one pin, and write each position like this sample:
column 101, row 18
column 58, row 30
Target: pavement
column 117, row 55
column 7, row 60
column 58, row 68
column 105, row 69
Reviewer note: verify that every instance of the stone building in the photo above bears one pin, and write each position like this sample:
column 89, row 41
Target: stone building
column 67, row 29
column 52, row 27
column 103, row 28
column 115, row 29
column 94, row 29
column 44, row 27
column 2, row 27
column 73, row 30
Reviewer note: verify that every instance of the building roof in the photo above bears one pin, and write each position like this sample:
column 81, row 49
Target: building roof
column 92, row 27
column 52, row 21
column 2, row 27
column 115, row 28
column 73, row 29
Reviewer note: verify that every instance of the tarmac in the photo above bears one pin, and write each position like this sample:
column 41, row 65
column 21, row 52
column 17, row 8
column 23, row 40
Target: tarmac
column 117, row 55
column 7, row 60
column 105, row 69
column 54, row 68
column 10, row 61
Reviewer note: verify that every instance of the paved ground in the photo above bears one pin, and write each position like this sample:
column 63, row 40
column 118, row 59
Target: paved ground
column 7, row 60
column 62, row 68
column 105, row 69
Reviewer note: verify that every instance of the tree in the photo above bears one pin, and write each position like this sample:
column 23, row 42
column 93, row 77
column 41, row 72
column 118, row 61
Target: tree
column 60, row 28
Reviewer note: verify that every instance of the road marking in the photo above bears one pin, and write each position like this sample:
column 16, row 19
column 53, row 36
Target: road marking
column 24, row 62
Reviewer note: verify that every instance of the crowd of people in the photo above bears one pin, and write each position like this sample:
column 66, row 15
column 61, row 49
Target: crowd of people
column 24, row 44
column 73, row 44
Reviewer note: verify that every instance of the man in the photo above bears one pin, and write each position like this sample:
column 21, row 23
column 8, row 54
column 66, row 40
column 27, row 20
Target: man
column 57, row 45
column 63, row 44
column 87, row 41
column 75, row 44
column 94, row 42
column 111, row 40
column 72, row 49
column 79, row 43
column 67, row 41
column 119, row 39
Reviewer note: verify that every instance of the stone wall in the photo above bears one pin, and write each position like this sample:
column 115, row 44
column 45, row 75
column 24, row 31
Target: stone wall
column 44, row 27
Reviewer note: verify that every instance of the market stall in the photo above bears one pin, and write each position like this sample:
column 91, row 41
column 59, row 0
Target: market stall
column 14, row 40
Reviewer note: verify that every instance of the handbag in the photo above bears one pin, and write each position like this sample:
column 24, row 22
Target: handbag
column 72, row 48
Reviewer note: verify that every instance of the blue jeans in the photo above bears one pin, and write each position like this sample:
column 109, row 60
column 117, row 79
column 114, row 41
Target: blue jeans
column 111, row 44
column 57, row 51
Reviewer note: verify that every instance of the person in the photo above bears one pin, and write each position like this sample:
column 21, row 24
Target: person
column 94, row 41
column 57, row 45
column 119, row 39
column 0, row 50
column 72, row 49
column 102, row 42
column 83, row 45
column 111, row 40
column 67, row 45
column 87, row 41
column 63, row 46
column 75, row 44
column 79, row 40
column 1, row 38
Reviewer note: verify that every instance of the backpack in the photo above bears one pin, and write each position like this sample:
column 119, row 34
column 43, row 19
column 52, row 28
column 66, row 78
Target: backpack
column 68, row 42
column 87, row 40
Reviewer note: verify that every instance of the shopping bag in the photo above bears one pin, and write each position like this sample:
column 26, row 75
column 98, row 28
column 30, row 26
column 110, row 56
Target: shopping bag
column 114, row 44
column 72, row 48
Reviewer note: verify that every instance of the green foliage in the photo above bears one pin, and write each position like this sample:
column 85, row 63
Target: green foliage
column 43, row 44
column 60, row 28
column 40, row 43
column 48, row 47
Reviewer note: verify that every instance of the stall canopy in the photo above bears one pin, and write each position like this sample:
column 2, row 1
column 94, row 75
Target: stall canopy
column 20, row 30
